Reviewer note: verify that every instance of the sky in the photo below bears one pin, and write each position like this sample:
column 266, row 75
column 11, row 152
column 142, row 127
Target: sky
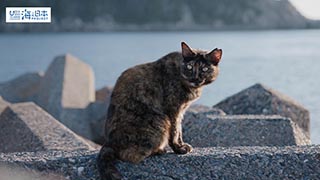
column 308, row 8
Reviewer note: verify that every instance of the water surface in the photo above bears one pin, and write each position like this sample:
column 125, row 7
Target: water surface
column 288, row 61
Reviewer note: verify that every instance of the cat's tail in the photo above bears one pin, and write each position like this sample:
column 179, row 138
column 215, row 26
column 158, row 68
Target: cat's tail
column 106, row 164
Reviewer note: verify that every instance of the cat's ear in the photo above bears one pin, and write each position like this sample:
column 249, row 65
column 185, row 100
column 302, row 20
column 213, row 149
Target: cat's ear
column 215, row 56
column 186, row 50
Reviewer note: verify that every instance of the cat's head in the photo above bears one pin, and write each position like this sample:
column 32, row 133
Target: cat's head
column 199, row 67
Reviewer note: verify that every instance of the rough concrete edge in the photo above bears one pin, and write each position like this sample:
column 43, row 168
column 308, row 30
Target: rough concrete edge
column 14, row 107
column 70, row 60
column 210, row 151
column 285, row 97
column 270, row 90
column 39, row 73
column 15, row 172
column 51, row 161
column 53, row 155
column 4, row 103
column 247, row 117
column 301, row 137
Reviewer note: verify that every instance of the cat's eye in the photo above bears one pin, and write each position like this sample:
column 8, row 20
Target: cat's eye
column 205, row 69
column 189, row 67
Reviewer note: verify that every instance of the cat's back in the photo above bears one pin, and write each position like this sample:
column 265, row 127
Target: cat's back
column 140, row 75
column 148, row 75
column 151, row 69
column 145, row 83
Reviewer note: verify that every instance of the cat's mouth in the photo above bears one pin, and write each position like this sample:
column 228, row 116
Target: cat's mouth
column 196, row 84
column 193, row 82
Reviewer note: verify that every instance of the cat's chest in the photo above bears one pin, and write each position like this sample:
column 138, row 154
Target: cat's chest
column 178, row 97
column 192, row 95
column 186, row 100
column 184, row 106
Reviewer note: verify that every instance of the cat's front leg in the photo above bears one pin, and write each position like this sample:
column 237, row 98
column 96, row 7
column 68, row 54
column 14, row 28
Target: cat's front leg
column 175, row 140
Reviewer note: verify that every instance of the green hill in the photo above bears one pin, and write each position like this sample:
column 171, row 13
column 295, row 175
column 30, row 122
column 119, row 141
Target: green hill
column 102, row 15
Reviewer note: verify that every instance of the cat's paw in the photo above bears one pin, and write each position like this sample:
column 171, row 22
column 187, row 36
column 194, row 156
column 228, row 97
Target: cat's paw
column 183, row 149
column 111, row 174
column 115, row 176
column 160, row 152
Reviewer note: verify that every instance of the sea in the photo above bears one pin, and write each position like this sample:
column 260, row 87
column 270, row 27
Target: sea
column 285, row 60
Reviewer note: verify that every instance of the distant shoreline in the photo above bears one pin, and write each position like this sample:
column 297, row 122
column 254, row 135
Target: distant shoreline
column 161, row 30
column 129, row 16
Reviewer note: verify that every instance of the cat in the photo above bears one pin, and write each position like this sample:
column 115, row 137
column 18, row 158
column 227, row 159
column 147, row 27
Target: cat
column 147, row 107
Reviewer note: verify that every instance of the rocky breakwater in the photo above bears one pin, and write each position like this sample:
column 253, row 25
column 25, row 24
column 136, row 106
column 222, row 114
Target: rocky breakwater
column 66, row 91
column 259, row 99
column 255, row 134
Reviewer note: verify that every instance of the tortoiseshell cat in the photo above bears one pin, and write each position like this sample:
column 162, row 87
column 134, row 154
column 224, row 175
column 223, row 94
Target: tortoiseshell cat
column 148, row 103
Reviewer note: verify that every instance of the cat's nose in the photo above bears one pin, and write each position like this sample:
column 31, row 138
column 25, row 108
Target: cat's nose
column 196, row 81
column 197, row 74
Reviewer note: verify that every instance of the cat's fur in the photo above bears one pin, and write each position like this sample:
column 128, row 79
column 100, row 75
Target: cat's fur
column 148, row 103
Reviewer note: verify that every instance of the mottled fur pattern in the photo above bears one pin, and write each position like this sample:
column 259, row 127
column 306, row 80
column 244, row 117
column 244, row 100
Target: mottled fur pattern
column 147, row 106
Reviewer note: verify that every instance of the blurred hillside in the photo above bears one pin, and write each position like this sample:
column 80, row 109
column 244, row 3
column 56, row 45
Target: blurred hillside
column 104, row 15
